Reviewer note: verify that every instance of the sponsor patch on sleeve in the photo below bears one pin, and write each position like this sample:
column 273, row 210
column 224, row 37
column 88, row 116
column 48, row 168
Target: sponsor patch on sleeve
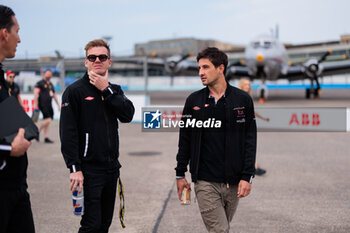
column 64, row 105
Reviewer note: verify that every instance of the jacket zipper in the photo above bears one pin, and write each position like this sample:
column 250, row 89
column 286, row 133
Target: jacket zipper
column 199, row 153
column 106, row 119
column 86, row 144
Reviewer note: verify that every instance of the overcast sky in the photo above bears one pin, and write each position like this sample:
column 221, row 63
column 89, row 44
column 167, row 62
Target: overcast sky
column 67, row 25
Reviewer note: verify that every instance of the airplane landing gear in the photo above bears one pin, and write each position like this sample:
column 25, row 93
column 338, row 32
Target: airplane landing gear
column 316, row 93
column 263, row 94
column 309, row 91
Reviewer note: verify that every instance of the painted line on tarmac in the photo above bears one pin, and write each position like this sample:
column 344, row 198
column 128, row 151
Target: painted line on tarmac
column 159, row 219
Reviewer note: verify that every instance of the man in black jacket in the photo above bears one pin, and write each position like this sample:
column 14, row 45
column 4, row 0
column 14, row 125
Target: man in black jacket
column 91, row 108
column 15, row 211
column 13, row 88
column 222, row 159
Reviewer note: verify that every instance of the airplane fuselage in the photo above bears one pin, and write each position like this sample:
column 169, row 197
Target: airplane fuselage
column 265, row 58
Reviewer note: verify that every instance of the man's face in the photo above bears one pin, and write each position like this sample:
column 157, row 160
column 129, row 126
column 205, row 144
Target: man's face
column 98, row 66
column 48, row 75
column 12, row 39
column 10, row 78
column 208, row 73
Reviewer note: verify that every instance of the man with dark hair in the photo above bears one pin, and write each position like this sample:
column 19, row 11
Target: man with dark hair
column 44, row 91
column 13, row 87
column 91, row 108
column 15, row 211
column 221, row 160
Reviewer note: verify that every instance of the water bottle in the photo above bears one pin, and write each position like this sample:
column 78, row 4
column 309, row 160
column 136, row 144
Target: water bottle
column 35, row 115
column 78, row 201
column 186, row 197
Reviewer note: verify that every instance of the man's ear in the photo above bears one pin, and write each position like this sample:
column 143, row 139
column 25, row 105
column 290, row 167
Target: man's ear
column 221, row 68
column 4, row 34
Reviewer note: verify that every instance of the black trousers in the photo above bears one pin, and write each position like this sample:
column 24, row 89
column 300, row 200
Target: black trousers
column 15, row 211
column 100, row 189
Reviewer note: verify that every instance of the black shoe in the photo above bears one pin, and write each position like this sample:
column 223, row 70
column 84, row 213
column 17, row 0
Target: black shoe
column 260, row 171
column 47, row 140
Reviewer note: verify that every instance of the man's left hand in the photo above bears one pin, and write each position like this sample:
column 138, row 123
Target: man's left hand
column 99, row 81
column 244, row 188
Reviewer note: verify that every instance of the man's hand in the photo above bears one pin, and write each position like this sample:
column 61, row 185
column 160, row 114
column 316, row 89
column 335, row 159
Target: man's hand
column 244, row 188
column 36, row 97
column 99, row 81
column 19, row 144
column 56, row 100
column 76, row 178
column 181, row 184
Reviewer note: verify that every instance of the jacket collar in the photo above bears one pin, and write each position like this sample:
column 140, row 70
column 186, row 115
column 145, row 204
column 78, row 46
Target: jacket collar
column 86, row 77
column 227, row 91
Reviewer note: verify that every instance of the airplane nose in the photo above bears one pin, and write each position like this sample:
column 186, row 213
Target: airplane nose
column 259, row 57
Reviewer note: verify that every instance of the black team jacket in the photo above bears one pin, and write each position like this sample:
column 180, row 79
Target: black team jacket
column 89, row 125
column 13, row 170
column 240, row 136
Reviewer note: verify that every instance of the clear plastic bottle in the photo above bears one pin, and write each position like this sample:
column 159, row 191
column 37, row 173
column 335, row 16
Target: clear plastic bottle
column 78, row 202
column 186, row 197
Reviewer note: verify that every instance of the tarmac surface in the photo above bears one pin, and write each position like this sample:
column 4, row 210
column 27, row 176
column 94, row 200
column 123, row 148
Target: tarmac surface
column 306, row 187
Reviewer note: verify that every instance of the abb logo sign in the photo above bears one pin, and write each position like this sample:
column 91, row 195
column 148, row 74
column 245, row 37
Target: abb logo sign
column 305, row 119
column 28, row 107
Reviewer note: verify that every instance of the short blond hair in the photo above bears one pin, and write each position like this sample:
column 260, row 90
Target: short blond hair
column 97, row 43
column 241, row 83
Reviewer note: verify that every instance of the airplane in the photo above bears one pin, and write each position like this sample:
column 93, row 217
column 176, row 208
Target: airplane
column 173, row 65
column 266, row 59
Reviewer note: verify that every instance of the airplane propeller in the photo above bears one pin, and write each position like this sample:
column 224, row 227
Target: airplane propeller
column 313, row 69
column 169, row 64
column 324, row 56
column 171, row 67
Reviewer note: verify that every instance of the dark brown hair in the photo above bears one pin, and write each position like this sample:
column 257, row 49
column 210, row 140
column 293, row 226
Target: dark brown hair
column 216, row 56
column 6, row 14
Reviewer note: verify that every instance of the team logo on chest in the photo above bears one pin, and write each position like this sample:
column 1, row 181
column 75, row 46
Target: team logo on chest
column 89, row 98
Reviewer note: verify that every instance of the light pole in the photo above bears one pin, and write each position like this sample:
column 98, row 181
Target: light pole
column 60, row 65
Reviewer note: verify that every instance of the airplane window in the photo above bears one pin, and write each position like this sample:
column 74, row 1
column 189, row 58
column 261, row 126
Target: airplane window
column 267, row 44
column 256, row 44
